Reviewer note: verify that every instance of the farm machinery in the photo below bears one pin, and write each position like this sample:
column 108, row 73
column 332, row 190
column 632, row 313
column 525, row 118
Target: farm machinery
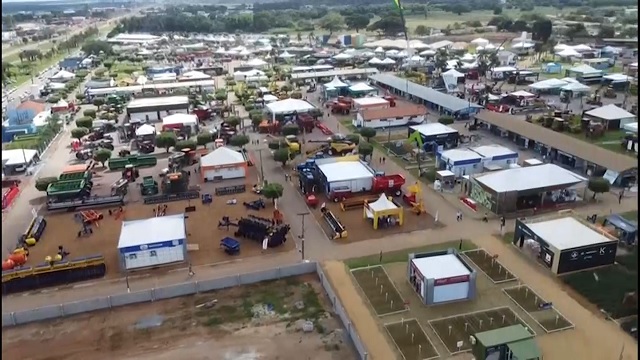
column 264, row 230
column 337, row 228
column 334, row 146
column 594, row 99
column 414, row 199
column 341, row 106
column 149, row 186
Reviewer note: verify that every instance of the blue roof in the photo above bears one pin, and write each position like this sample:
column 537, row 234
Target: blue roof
column 449, row 102
column 622, row 223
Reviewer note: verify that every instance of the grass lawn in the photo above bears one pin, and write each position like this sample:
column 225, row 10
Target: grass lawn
column 630, row 215
column 15, row 57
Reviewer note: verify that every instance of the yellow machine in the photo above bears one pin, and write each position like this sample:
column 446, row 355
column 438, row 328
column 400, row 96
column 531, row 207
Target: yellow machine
column 332, row 147
column 414, row 199
column 293, row 143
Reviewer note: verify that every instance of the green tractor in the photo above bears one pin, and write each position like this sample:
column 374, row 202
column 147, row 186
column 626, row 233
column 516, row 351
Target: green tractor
column 149, row 186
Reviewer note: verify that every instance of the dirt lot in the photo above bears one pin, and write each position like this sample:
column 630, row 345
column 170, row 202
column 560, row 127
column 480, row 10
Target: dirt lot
column 202, row 229
column 246, row 323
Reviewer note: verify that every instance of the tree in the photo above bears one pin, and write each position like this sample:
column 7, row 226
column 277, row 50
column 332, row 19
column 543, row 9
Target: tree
column 78, row 133
column 84, row 122
column 282, row 155
column 497, row 10
column 256, row 119
column 331, row 22
column 166, row 140
column 541, row 30
column 186, row 144
column 368, row 133
column 598, row 185
column 357, row 21
column 354, row 138
column 204, row 138
column 232, row 121
column 90, row 113
column 273, row 191
column 388, row 25
column 239, row 140
column 102, row 155
column 97, row 47
column 365, row 149
column 422, row 30
column 606, row 32
column 43, row 183
column 446, row 120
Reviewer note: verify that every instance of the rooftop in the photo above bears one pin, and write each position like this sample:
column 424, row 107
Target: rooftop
column 158, row 101
column 152, row 231
column 433, row 129
column 610, row 112
column 333, row 73
column 567, row 233
column 528, row 178
column 493, row 151
column 370, row 101
column 345, row 171
column 456, row 155
column 139, row 88
column 399, row 111
column 503, row 335
column 441, row 266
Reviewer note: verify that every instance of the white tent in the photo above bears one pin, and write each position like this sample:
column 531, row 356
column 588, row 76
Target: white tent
column 222, row 156
column 480, row 41
column 367, row 54
column 582, row 48
column 342, row 56
column 416, row 58
column 388, row 61
column 382, row 204
column 238, row 49
column 522, row 93
column 610, row 112
column 428, row 52
column 286, row 55
column 231, row 52
column 548, row 84
column 268, row 98
column 576, row 87
column 585, row 69
column 402, row 54
column 335, row 83
column 378, row 50
column 361, row 87
column 561, row 47
column 522, row 45
column 56, row 86
column 256, row 63
column 18, row 156
column 467, row 57
column 569, row 80
column 141, row 80
column 165, row 77
column 221, row 51
column 391, row 52
column 145, row 130
column 185, row 119
column 453, row 72
column 618, row 77
column 375, row 61
column 568, row 52
column 63, row 75
column 244, row 52
column 195, row 75
column 289, row 106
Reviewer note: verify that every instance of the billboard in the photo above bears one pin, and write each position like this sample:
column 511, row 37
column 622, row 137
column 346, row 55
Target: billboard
column 587, row 257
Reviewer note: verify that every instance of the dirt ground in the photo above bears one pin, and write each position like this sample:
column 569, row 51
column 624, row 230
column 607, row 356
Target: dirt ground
column 489, row 266
column 62, row 229
column 247, row 323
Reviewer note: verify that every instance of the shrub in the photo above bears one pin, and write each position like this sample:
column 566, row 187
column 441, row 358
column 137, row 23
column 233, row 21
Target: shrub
column 53, row 99
column 80, row 96
column 85, row 122
column 90, row 113
column 446, row 120
column 98, row 102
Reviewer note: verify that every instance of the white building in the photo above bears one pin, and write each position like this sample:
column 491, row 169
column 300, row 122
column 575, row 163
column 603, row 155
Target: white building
column 222, row 164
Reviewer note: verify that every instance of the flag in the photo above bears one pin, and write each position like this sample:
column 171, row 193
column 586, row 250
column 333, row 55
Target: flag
column 398, row 5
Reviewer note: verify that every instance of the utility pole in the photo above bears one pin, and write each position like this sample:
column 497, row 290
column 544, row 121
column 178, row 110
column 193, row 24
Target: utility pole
column 261, row 166
column 301, row 236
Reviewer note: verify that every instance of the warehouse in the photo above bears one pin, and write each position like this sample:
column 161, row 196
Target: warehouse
column 156, row 108
column 565, row 244
column 496, row 157
column 199, row 86
column 400, row 115
column 433, row 136
column 352, row 176
column 152, row 242
column 526, row 188
column 461, row 162
column 441, row 277
column 222, row 164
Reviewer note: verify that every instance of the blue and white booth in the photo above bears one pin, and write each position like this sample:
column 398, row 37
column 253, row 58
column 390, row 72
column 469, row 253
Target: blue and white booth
column 461, row 162
column 152, row 242
column 496, row 157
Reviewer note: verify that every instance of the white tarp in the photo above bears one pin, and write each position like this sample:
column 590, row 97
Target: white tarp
column 610, row 112
column 360, row 87
column 548, row 84
column 375, row 61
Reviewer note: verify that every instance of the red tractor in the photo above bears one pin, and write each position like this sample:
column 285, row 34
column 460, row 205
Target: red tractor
column 340, row 108
column 203, row 113
column 499, row 108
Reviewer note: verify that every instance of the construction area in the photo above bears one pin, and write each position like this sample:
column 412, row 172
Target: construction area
column 264, row 320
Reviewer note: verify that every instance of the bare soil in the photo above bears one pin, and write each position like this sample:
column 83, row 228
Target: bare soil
column 549, row 319
column 465, row 325
column 379, row 290
column 411, row 340
column 490, row 266
column 261, row 321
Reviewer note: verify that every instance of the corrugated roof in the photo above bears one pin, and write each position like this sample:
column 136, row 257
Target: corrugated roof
column 446, row 101
column 35, row 106
column 525, row 349
column 393, row 112
column 503, row 335
column 582, row 149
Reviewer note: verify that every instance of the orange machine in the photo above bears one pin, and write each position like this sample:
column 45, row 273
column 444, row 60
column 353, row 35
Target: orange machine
column 414, row 198
column 91, row 217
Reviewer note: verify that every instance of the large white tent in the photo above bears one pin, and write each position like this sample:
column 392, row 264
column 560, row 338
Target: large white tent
column 145, row 130
column 184, row 119
column 256, row 63
column 223, row 163
column 388, row 61
column 382, row 204
column 286, row 55
column 480, row 42
column 336, row 83
column 244, row 52
column 361, row 87
column 610, row 112
column 576, row 87
column 568, row 52
column 453, row 73
column 375, row 61
column 63, row 75
column 548, row 84
column 194, row 75
column 585, row 69
column 582, row 48
column 15, row 157
column 343, row 56
column 289, row 106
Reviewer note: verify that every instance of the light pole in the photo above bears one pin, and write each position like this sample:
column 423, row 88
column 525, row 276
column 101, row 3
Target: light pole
column 301, row 236
column 261, row 166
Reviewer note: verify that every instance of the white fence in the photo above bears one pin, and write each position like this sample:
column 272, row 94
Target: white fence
column 184, row 289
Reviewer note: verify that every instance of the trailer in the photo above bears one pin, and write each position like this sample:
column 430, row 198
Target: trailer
column 93, row 202
column 84, row 175
column 135, row 160
column 69, row 189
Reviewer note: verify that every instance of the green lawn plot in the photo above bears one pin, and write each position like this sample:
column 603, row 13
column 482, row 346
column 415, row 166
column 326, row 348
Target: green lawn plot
column 455, row 329
column 411, row 340
column 607, row 287
column 490, row 266
column 382, row 295
column 549, row 319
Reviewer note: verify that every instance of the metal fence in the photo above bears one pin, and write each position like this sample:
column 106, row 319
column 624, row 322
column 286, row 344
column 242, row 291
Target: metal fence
column 184, row 289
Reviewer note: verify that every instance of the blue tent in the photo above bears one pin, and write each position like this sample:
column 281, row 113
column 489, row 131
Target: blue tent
column 552, row 68
column 628, row 231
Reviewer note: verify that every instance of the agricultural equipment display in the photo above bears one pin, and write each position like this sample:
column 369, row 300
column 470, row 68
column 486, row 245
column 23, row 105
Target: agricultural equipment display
column 230, row 246
column 130, row 173
column 262, row 230
column 230, row 190
column 34, row 232
column 203, row 113
column 89, row 217
column 9, row 195
column 135, row 160
column 149, row 186
column 356, row 203
column 610, row 93
column 80, row 175
column 255, row 205
column 91, row 202
column 340, row 108
column 120, row 187
column 414, row 199
column 594, row 99
column 334, row 146
column 70, row 189
column 338, row 230
column 46, row 275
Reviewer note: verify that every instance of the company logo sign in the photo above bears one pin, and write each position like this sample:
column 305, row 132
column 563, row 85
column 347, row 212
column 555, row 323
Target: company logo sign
column 452, row 280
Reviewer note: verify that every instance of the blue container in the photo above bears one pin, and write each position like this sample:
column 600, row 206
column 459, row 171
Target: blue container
column 346, row 40
column 325, row 39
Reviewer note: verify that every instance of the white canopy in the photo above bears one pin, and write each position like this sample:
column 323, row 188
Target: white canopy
column 453, row 72
column 618, row 77
column 286, row 55
column 361, row 87
column 403, row 53
column 268, row 98
column 375, row 61
column 336, row 83
column 141, row 80
column 560, row 47
column 382, row 204
column 585, row 69
column 56, row 86
column 548, row 84
column 289, row 106
column 367, row 54
column 18, row 156
column 256, row 62
column 61, row 104
column 184, row 119
column 342, row 56
column 391, row 52
column 244, row 52
column 522, row 45
column 416, row 58
column 388, row 61
column 581, row 48
column 522, row 93
column 63, row 75
column 610, row 112
column 576, row 87
column 480, row 41
column 378, row 50
column 238, row 49
column 428, row 52
column 467, row 57
column 145, row 130
column 195, row 75
column 568, row 52
column 221, row 50
column 222, row 156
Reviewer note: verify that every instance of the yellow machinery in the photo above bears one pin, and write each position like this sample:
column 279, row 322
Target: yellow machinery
column 382, row 208
column 293, row 143
column 414, row 199
column 333, row 147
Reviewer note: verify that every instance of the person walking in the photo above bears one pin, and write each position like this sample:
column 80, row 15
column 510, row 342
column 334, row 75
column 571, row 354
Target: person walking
column 458, row 216
column 620, row 196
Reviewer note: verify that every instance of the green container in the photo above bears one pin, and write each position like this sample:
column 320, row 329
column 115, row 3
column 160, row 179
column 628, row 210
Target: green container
column 70, row 187
column 135, row 160
column 76, row 176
